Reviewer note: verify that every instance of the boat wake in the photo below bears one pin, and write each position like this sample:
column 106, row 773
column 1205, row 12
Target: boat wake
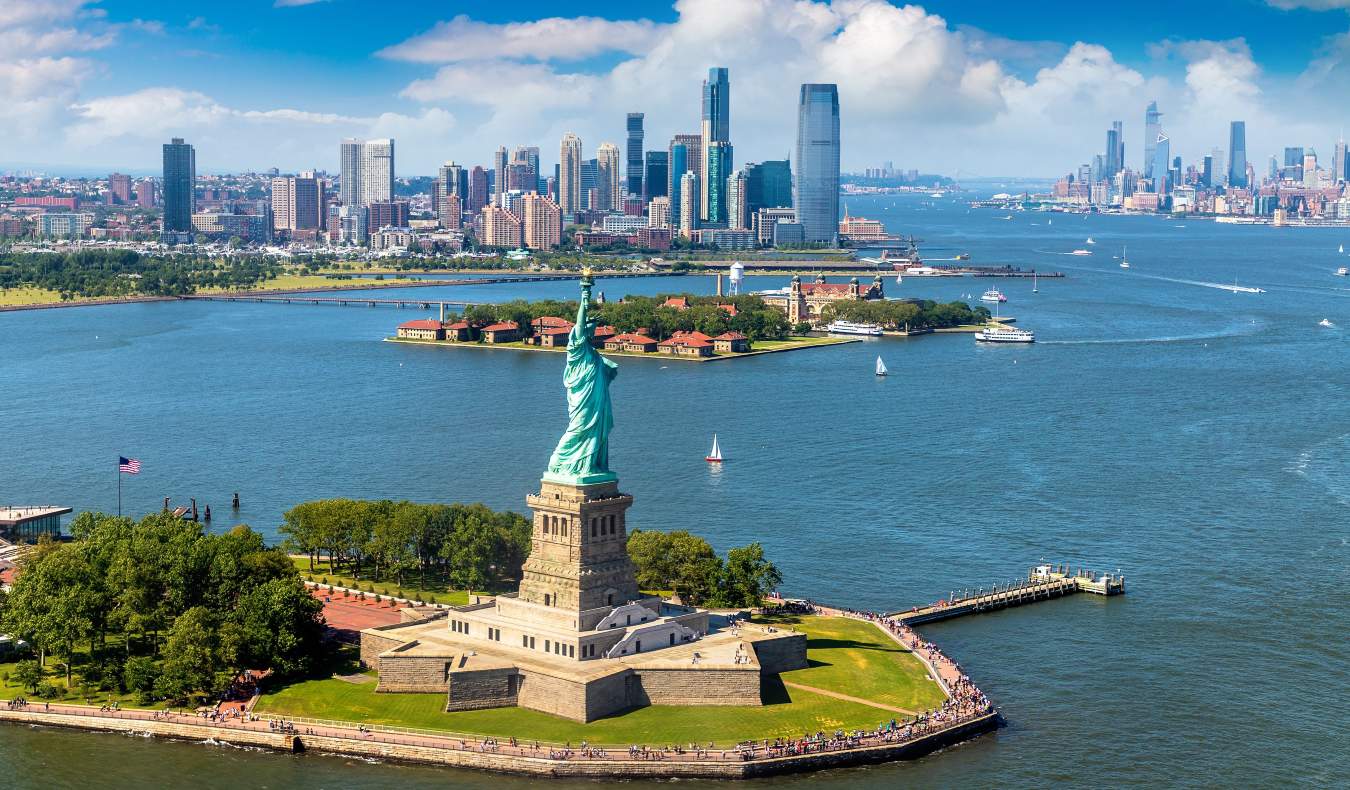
column 1246, row 330
column 1325, row 464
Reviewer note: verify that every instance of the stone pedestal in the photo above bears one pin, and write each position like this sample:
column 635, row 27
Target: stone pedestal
column 579, row 549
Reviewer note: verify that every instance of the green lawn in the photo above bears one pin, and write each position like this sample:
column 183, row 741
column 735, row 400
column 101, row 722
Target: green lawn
column 436, row 590
column 848, row 657
column 855, row 658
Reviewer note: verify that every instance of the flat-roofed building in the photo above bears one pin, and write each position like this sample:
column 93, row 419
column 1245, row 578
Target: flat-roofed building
column 30, row 522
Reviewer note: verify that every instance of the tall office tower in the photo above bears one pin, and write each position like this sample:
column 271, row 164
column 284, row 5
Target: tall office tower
column 145, row 193
column 569, row 176
column 768, row 185
column 541, row 222
column 815, row 189
column 658, row 212
column 297, row 202
column 478, row 189
column 590, row 179
column 738, row 218
column 655, row 174
column 1162, row 156
column 1293, row 163
column 1274, row 174
column 1110, row 166
column 1097, row 172
column 1152, row 128
column 452, row 212
column 688, row 203
column 367, row 172
column 498, row 173
column 635, row 159
column 1310, row 169
column 609, row 178
column 1220, row 170
column 452, row 180
column 1237, row 154
column 716, row 129
column 718, row 169
column 1119, row 128
column 1338, row 162
column 119, row 188
column 526, row 155
column 1207, row 172
column 521, row 177
column 180, row 182
column 684, row 157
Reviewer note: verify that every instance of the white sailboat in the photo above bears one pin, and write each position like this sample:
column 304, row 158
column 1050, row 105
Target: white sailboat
column 881, row 367
column 1090, row 241
column 1340, row 248
column 1034, row 287
column 715, row 455
column 899, row 281
column 1124, row 262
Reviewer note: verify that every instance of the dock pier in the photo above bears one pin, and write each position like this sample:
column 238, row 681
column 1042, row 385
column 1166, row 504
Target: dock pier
column 1042, row 583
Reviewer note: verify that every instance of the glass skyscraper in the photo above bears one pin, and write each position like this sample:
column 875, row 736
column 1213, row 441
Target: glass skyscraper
column 656, row 174
column 718, row 170
column 716, row 129
column 180, row 180
column 1162, row 155
column 815, row 191
column 1152, row 128
column 1237, row 154
column 634, row 154
column 679, row 165
column 768, row 185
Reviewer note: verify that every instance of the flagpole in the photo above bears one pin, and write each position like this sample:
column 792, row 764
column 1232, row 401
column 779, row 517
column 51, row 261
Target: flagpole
column 119, row 487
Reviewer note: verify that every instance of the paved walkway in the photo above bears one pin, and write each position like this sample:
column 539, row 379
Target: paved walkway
column 847, row 698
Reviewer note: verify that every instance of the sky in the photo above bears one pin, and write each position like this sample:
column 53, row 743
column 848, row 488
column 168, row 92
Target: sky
column 959, row 87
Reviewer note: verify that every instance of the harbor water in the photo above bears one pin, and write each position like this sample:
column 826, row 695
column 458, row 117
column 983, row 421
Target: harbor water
column 1196, row 439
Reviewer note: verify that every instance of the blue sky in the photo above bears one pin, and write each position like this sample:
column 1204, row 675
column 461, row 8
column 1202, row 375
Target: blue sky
column 977, row 88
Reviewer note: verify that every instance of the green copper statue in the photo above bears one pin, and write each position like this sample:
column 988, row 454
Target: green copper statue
column 582, row 455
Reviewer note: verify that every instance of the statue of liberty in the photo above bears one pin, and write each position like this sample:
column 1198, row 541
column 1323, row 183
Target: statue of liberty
column 582, row 455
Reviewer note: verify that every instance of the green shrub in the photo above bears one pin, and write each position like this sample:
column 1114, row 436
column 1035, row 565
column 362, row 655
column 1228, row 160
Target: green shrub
column 47, row 690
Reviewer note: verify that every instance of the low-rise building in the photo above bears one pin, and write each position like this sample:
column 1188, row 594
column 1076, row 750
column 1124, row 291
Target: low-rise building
column 502, row 332
column 632, row 343
column 460, row 331
column 422, row 329
column 686, row 346
column 731, row 343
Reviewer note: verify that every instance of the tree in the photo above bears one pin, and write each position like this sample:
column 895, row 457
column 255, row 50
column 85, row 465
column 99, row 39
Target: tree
column 747, row 576
column 675, row 561
column 139, row 674
column 278, row 624
column 191, row 655
column 28, row 674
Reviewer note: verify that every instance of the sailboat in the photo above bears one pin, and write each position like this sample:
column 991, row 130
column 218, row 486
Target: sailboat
column 715, row 455
column 1090, row 241
column 881, row 367
column 1034, row 288
column 1124, row 263
column 899, row 281
column 1340, row 248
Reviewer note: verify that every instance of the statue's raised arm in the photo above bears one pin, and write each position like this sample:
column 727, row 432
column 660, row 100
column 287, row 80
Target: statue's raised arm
column 582, row 455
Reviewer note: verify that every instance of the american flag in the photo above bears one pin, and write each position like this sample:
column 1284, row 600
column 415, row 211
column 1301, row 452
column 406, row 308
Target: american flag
column 129, row 466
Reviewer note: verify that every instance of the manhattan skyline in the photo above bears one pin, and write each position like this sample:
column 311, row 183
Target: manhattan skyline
column 964, row 89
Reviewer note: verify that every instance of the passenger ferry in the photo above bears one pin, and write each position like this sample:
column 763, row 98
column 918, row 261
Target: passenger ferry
column 993, row 295
column 1005, row 334
column 851, row 328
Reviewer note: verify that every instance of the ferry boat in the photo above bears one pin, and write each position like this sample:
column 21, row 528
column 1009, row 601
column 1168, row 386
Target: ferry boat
column 993, row 295
column 1005, row 334
column 1081, row 252
column 1343, row 271
column 852, row 328
column 1326, row 322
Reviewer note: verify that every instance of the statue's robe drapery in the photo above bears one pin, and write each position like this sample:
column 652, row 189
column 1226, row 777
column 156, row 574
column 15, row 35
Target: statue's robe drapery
column 582, row 455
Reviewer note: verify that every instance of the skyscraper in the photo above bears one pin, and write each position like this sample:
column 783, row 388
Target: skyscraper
column 656, row 175
column 1112, row 160
column 297, row 202
column 1237, row 154
column 1162, row 156
column 815, row 190
column 499, row 163
column 569, row 176
column 1338, row 163
column 1310, row 169
column 367, row 172
column 1207, row 171
column 590, row 180
column 1152, row 128
column 635, row 161
column 737, row 216
column 717, row 166
column 716, row 129
column 451, row 181
column 688, row 203
column 541, row 222
column 768, row 185
column 478, row 189
column 180, row 180
column 119, row 188
column 609, row 178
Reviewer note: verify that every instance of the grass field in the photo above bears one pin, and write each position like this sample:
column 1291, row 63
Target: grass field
column 847, row 657
column 26, row 295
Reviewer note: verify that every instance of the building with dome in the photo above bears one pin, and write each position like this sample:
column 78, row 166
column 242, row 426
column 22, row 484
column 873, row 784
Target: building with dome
column 804, row 302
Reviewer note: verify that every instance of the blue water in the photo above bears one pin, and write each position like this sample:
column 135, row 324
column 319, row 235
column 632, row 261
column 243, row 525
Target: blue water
column 1194, row 438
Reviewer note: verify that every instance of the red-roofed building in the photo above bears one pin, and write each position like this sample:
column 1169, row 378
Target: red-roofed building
column 632, row 343
column 731, row 343
column 677, row 302
column 695, row 335
column 550, row 322
column 602, row 335
column 422, row 329
column 460, row 331
column 729, row 309
column 686, row 346
column 502, row 332
column 551, row 337
column 805, row 301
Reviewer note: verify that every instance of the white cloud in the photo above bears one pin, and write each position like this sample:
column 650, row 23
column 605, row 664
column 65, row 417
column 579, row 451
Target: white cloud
column 1312, row 5
column 463, row 39
column 296, row 3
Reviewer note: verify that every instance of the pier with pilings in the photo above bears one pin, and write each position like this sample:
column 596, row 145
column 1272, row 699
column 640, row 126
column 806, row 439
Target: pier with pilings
column 1042, row 583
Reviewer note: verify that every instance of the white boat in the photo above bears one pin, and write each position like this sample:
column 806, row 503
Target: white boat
column 1034, row 288
column 715, row 455
column 1049, row 222
column 1081, row 252
column 1090, row 241
column 1242, row 289
column 1124, row 264
column 993, row 295
column 1326, row 322
column 1005, row 334
column 1341, row 248
column 1343, row 271
column 881, row 367
column 899, row 280
column 1007, row 217
column 853, row 328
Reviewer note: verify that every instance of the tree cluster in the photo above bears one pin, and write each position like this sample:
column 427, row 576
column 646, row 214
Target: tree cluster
column 161, row 608
column 912, row 314
column 470, row 545
column 113, row 272
column 688, row 565
column 754, row 319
